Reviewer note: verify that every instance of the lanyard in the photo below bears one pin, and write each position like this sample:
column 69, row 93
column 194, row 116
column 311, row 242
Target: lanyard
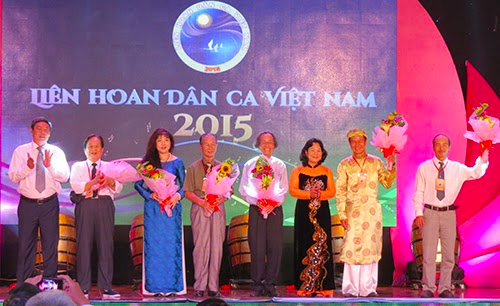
column 358, row 163
column 437, row 168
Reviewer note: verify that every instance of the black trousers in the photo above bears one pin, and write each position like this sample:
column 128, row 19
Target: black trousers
column 95, row 220
column 31, row 217
column 265, row 237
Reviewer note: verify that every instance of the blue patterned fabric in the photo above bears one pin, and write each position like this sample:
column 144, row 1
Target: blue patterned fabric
column 163, row 243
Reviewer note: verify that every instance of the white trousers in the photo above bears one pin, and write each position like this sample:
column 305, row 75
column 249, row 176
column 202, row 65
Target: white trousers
column 360, row 280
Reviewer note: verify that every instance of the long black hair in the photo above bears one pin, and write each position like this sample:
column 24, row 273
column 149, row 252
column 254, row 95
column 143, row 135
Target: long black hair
column 152, row 155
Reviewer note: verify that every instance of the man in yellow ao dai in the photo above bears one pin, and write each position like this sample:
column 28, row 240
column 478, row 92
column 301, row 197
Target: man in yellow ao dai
column 360, row 213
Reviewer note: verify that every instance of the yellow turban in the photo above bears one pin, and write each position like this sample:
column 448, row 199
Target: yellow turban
column 356, row 132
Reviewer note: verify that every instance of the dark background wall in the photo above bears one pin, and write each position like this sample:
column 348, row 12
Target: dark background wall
column 471, row 30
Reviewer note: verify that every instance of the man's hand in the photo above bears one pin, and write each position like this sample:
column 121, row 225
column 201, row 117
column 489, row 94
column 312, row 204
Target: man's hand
column 419, row 221
column 34, row 280
column 486, row 155
column 106, row 181
column 390, row 162
column 47, row 158
column 30, row 162
column 73, row 290
column 209, row 210
column 267, row 209
column 220, row 200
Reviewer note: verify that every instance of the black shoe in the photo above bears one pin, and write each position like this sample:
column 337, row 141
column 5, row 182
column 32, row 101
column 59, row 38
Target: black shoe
column 199, row 293
column 111, row 294
column 214, row 294
column 427, row 294
column 372, row 294
column 86, row 294
column 171, row 295
column 349, row 295
column 271, row 292
column 446, row 294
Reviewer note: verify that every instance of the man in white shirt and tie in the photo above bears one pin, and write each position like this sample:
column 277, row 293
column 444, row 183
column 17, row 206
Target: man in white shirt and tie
column 94, row 216
column 39, row 168
column 438, row 183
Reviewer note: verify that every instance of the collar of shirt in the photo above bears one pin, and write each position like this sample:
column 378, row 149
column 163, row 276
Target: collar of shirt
column 268, row 159
column 98, row 162
column 34, row 146
column 436, row 161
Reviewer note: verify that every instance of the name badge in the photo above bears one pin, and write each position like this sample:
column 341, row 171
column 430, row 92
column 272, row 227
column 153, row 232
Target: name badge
column 439, row 184
column 362, row 178
column 204, row 184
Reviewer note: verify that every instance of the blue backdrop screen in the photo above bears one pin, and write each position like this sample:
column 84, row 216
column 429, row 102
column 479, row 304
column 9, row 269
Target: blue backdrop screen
column 121, row 69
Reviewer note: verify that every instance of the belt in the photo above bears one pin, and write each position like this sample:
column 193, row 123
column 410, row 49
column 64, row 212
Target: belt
column 39, row 201
column 99, row 197
column 446, row 208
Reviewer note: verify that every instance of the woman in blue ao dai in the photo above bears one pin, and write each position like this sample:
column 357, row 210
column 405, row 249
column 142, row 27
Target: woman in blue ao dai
column 163, row 256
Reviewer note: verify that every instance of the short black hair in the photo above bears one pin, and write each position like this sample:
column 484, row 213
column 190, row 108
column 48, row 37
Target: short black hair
column 441, row 135
column 213, row 301
column 93, row 136
column 207, row 135
column 309, row 143
column 40, row 119
column 257, row 140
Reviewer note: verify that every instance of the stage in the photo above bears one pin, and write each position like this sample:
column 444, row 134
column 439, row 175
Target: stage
column 387, row 295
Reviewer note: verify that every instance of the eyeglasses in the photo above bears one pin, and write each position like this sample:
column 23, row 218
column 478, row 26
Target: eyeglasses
column 209, row 145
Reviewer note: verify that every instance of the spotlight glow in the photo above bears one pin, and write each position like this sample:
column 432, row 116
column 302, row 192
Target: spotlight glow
column 204, row 20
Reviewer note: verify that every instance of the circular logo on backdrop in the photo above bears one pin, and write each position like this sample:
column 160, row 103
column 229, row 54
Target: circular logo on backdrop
column 211, row 36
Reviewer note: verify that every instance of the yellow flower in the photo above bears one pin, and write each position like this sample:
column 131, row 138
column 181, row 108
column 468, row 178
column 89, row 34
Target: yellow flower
column 149, row 167
column 225, row 168
column 138, row 166
column 259, row 168
column 266, row 181
column 385, row 127
column 155, row 176
column 391, row 117
column 487, row 118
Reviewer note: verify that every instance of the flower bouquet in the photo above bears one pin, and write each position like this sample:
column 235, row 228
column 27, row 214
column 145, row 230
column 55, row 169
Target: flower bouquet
column 390, row 136
column 263, row 186
column 120, row 170
column 486, row 128
column 220, row 180
column 161, row 182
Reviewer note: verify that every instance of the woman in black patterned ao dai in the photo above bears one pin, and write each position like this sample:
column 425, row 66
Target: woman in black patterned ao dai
column 313, row 185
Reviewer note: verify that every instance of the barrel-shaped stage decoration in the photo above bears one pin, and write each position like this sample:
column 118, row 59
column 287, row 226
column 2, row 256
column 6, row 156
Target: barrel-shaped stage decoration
column 66, row 248
column 417, row 249
column 239, row 249
column 136, row 240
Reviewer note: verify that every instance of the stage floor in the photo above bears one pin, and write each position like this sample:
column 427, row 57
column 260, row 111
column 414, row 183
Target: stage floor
column 387, row 295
